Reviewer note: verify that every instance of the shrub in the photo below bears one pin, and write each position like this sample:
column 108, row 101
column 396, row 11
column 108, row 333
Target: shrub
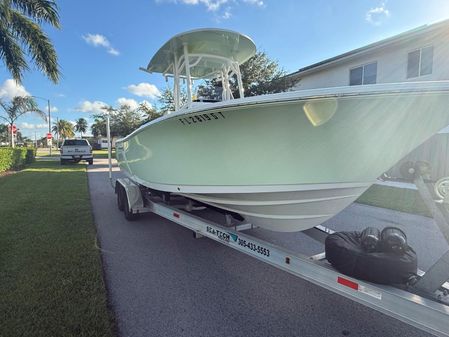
column 30, row 155
column 15, row 159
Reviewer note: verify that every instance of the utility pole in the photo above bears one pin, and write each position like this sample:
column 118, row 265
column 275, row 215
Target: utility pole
column 49, row 118
column 57, row 132
column 49, row 124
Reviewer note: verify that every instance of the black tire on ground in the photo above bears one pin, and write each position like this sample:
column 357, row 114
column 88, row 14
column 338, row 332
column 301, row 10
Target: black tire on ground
column 120, row 204
column 128, row 214
column 91, row 162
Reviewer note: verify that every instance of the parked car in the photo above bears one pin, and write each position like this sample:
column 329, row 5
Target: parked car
column 75, row 150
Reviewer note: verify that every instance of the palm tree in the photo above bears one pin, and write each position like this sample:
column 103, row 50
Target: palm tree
column 98, row 127
column 20, row 34
column 63, row 128
column 17, row 107
column 81, row 126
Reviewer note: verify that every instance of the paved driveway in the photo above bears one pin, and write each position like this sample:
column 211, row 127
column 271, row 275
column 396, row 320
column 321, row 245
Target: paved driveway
column 162, row 282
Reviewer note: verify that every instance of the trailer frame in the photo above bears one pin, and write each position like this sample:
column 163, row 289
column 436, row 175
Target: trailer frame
column 423, row 304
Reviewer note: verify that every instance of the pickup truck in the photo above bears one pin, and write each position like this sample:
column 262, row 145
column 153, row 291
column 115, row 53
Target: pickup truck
column 76, row 150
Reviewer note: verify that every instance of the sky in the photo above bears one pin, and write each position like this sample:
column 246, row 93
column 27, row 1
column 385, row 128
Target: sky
column 102, row 43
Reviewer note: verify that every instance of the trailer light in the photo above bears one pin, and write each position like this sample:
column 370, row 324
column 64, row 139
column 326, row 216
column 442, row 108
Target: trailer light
column 347, row 283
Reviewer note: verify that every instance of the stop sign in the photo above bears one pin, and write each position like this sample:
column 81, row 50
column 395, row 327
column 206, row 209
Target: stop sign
column 14, row 128
column 49, row 136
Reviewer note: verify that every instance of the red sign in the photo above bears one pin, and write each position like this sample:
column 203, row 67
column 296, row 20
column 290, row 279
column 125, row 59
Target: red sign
column 14, row 128
column 49, row 136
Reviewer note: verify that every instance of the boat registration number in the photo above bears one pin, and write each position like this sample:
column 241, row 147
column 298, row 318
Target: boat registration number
column 201, row 118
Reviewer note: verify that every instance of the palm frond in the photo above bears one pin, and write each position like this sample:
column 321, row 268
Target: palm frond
column 11, row 54
column 22, row 105
column 39, row 46
column 39, row 10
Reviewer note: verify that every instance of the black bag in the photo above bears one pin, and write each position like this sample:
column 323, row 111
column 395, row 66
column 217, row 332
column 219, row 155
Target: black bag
column 344, row 251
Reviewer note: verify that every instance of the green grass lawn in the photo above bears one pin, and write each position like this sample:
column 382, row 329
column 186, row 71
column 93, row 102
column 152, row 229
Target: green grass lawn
column 44, row 152
column 102, row 153
column 404, row 200
column 51, row 281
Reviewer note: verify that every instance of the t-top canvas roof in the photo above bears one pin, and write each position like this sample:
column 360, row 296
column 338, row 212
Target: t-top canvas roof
column 211, row 47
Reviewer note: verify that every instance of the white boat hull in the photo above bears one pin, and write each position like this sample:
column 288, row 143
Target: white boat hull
column 287, row 211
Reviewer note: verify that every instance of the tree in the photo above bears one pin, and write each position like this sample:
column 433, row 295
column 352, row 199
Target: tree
column 149, row 112
column 260, row 75
column 167, row 101
column 17, row 107
column 63, row 128
column 81, row 126
column 4, row 133
column 21, row 33
column 123, row 120
column 99, row 126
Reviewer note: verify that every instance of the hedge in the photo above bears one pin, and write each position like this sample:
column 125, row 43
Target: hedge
column 15, row 159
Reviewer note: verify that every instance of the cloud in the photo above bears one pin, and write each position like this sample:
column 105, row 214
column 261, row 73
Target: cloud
column 211, row 5
column 128, row 101
column 10, row 89
column 377, row 15
column 217, row 5
column 132, row 103
column 91, row 106
column 96, row 106
column 144, row 90
column 98, row 40
column 52, row 108
column 30, row 126
column 255, row 2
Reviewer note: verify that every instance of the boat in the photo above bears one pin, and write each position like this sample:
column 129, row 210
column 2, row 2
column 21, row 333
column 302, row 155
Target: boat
column 284, row 162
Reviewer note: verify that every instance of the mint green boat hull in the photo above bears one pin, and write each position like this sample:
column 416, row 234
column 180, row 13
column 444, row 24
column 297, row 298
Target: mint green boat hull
column 283, row 144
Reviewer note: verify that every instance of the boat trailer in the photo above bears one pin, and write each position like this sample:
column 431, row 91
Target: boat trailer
column 423, row 303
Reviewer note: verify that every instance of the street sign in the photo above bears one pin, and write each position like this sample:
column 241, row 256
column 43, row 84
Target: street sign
column 48, row 141
column 49, row 136
column 14, row 128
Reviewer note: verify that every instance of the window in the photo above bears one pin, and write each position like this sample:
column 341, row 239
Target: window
column 420, row 62
column 366, row 74
column 76, row 142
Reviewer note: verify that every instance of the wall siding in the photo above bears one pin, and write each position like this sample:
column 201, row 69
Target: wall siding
column 391, row 64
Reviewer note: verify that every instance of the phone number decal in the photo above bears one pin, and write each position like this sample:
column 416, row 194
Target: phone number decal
column 254, row 247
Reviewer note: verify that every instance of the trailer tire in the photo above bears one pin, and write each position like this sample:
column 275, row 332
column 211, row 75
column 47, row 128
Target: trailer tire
column 129, row 215
column 120, row 204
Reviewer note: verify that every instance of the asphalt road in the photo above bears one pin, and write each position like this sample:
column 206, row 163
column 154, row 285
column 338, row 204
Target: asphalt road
column 162, row 282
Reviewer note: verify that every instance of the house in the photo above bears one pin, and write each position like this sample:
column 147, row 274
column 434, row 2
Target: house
column 102, row 143
column 419, row 54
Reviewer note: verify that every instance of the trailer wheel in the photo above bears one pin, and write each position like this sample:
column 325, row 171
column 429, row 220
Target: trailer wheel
column 120, row 204
column 128, row 214
column 442, row 187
